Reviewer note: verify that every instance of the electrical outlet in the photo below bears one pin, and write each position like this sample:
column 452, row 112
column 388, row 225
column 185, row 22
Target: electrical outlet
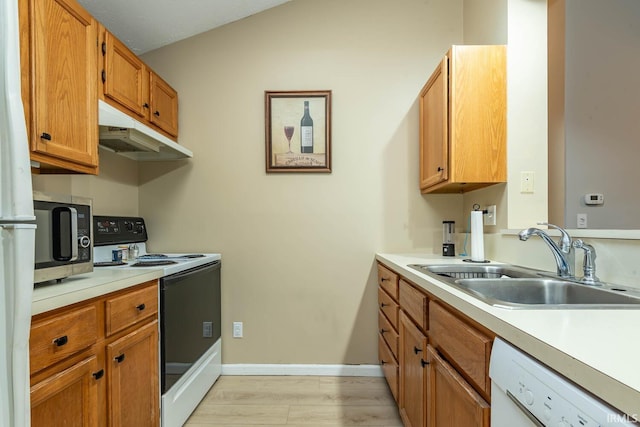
column 207, row 329
column 526, row 182
column 490, row 216
column 237, row 329
column 582, row 220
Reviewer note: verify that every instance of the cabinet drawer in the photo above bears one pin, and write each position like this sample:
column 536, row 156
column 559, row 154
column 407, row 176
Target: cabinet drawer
column 389, row 307
column 389, row 333
column 414, row 303
column 388, row 280
column 56, row 338
column 389, row 366
column 125, row 310
column 465, row 347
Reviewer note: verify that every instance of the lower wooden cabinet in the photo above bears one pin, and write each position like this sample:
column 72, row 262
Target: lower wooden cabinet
column 68, row 398
column 83, row 375
column 451, row 401
column 133, row 381
column 413, row 373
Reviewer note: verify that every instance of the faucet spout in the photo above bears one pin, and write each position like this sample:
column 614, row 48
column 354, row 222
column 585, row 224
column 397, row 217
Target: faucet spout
column 562, row 253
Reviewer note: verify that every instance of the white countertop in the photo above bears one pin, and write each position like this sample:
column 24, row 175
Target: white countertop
column 89, row 285
column 598, row 349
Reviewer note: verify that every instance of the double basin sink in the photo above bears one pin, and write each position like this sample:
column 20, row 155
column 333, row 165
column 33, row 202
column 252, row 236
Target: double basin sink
column 511, row 286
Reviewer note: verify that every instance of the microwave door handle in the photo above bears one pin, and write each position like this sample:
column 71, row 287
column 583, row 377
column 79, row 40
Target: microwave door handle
column 74, row 233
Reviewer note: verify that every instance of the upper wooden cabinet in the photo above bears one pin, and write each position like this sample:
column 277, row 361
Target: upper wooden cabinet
column 463, row 121
column 131, row 86
column 59, row 84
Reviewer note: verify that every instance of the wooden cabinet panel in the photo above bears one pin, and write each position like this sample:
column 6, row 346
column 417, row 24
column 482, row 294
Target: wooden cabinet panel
column 63, row 93
column 389, row 307
column 124, row 76
column 58, row 337
column 389, row 366
column 125, row 310
column 414, row 303
column 164, row 105
column 133, row 381
column 463, row 121
column 388, row 280
column 68, row 399
column 389, row 333
column 467, row 348
column 413, row 373
column 451, row 401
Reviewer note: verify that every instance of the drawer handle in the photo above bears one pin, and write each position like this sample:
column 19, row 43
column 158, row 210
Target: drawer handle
column 417, row 350
column 61, row 341
column 119, row 359
column 99, row 374
column 45, row 136
column 382, row 331
column 140, row 307
column 423, row 363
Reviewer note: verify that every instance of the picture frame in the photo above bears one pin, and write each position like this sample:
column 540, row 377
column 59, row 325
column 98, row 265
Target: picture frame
column 298, row 131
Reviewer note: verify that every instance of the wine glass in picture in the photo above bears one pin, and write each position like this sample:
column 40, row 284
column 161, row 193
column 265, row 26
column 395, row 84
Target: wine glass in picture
column 288, row 132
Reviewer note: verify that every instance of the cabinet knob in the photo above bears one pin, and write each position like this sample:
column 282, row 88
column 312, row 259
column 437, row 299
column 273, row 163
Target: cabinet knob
column 45, row 136
column 99, row 374
column 103, row 75
column 382, row 331
column 417, row 350
column 145, row 105
column 382, row 279
column 440, row 169
column 140, row 307
column 61, row 341
column 423, row 363
column 382, row 362
column 157, row 113
column 119, row 359
column 383, row 305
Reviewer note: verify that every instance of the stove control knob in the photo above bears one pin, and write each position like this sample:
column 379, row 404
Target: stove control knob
column 129, row 226
column 528, row 397
column 84, row 241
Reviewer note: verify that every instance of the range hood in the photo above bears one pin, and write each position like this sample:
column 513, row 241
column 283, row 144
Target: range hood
column 128, row 137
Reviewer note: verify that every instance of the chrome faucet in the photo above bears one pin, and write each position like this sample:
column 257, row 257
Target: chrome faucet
column 565, row 258
column 588, row 264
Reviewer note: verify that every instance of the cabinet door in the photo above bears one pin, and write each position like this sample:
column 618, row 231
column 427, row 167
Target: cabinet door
column 164, row 105
column 64, row 84
column 451, row 401
column 133, row 378
column 434, row 128
column 124, row 76
column 413, row 373
column 68, row 398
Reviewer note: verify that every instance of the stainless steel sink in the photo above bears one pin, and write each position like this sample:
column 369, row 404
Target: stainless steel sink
column 512, row 286
column 544, row 292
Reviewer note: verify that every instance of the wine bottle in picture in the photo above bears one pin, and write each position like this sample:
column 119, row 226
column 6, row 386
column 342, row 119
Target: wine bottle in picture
column 306, row 131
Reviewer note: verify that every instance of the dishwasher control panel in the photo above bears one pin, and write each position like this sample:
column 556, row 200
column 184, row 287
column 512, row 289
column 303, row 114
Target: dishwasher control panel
column 544, row 396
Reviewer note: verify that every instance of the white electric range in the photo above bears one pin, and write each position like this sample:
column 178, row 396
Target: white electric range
column 190, row 312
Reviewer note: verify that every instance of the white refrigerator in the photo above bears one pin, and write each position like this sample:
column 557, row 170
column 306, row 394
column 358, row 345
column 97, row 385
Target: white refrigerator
column 17, row 230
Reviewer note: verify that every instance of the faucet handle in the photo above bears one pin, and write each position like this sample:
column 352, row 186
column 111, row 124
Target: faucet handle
column 565, row 239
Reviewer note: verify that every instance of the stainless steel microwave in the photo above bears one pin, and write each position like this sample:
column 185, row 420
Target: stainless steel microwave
column 64, row 239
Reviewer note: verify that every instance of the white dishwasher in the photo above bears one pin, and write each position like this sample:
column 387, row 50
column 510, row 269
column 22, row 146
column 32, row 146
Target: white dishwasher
column 526, row 393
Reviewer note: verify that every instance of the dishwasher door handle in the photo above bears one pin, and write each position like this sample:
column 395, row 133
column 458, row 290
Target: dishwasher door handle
column 524, row 410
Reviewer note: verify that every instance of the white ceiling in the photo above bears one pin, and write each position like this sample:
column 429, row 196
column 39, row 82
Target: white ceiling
column 144, row 25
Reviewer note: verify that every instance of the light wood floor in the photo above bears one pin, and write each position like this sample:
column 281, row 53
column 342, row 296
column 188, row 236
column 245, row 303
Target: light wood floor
column 244, row 401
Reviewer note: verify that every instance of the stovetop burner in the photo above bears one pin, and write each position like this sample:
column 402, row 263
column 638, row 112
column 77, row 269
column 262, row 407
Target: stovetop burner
column 108, row 263
column 153, row 263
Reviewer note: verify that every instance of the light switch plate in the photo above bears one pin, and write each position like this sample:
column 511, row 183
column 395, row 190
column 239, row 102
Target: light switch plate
column 490, row 217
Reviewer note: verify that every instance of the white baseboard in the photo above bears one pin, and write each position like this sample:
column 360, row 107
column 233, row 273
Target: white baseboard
column 320, row 370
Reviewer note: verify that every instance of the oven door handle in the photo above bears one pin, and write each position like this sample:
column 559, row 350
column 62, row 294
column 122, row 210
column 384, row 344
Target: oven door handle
column 524, row 410
column 72, row 234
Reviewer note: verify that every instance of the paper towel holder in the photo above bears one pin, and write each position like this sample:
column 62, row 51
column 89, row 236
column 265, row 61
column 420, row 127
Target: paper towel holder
column 476, row 208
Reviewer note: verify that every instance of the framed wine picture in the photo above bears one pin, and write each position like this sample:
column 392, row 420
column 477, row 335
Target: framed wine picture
column 298, row 131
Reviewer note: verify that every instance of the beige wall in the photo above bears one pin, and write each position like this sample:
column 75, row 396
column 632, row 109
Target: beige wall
column 114, row 191
column 298, row 249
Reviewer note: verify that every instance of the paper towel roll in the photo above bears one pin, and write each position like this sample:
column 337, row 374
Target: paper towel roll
column 477, row 236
